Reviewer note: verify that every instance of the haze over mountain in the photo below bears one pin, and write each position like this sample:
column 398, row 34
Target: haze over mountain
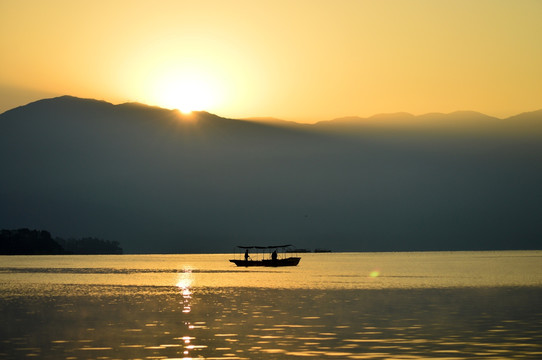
column 159, row 181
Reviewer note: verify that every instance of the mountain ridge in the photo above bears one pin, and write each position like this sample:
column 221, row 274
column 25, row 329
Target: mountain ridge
column 159, row 181
column 463, row 114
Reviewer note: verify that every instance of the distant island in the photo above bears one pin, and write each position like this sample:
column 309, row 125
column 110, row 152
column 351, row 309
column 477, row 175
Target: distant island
column 40, row 242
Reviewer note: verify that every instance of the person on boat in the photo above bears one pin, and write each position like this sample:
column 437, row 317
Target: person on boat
column 274, row 255
column 246, row 255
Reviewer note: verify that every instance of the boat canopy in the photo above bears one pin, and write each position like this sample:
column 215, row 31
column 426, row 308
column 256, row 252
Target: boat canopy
column 263, row 247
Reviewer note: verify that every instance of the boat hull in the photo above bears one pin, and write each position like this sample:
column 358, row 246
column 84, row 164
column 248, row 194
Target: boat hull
column 290, row 261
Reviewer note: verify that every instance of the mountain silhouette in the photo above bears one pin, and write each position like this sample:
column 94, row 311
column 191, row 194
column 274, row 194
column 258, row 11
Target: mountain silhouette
column 459, row 123
column 160, row 181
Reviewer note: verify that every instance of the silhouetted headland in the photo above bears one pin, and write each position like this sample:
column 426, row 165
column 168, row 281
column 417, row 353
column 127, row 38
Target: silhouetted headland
column 40, row 242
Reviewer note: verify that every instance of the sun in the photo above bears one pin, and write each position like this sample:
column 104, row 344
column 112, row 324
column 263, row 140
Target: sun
column 187, row 96
column 187, row 92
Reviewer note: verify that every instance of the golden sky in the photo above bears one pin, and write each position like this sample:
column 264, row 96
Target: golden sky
column 297, row 60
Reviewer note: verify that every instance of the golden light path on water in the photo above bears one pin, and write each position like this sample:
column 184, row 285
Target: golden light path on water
column 183, row 284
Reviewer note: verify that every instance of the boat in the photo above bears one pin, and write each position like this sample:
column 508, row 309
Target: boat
column 271, row 256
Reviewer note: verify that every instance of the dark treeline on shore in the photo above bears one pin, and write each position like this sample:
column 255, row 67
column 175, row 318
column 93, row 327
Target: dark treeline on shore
column 40, row 242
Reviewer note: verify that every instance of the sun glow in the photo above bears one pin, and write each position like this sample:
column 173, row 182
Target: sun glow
column 185, row 91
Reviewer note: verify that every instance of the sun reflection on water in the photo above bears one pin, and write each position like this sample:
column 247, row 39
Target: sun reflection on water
column 184, row 283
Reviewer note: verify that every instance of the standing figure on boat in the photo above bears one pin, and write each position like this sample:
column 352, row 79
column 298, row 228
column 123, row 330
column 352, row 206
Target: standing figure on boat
column 246, row 255
column 274, row 255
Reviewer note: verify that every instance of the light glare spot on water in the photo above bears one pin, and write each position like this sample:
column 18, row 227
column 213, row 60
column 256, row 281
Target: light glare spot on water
column 374, row 273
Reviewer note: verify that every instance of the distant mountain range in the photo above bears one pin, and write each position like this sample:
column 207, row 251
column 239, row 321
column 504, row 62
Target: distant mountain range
column 159, row 181
column 457, row 123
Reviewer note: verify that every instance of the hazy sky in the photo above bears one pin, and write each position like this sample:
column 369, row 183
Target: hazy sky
column 297, row 60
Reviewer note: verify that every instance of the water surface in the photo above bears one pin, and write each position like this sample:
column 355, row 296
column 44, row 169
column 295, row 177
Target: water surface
column 446, row 305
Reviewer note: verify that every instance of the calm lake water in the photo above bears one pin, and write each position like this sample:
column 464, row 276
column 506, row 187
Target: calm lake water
column 425, row 305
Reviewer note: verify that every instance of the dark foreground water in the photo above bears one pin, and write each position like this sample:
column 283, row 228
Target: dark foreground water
column 108, row 308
